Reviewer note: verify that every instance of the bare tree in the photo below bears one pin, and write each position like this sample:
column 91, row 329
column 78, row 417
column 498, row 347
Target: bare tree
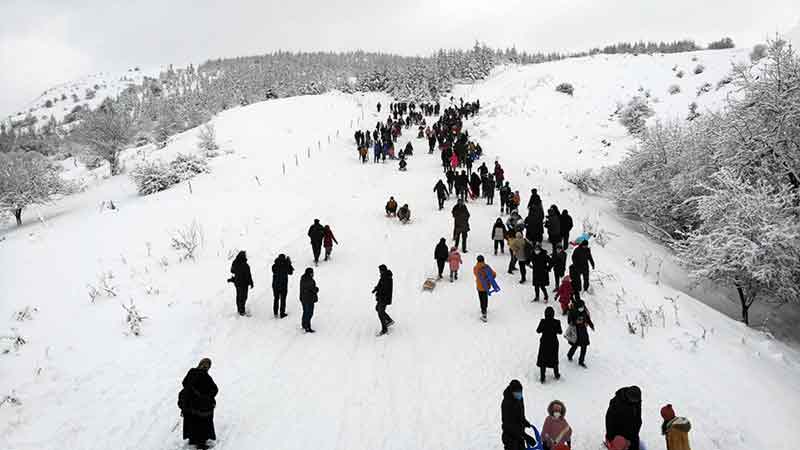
column 28, row 178
column 107, row 130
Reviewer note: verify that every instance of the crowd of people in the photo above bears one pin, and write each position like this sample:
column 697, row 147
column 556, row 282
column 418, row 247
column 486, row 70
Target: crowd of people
column 523, row 237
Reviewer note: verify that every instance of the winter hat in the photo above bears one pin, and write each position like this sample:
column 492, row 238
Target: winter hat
column 316, row 221
column 559, row 403
column 480, row 258
column 442, row 240
column 309, row 271
column 667, row 413
column 619, row 443
column 382, row 267
column 515, row 386
column 633, row 394
column 549, row 312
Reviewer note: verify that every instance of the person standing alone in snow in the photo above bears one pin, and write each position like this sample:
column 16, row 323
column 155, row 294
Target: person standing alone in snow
column 512, row 411
column 383, row 298
column 309, row 294
column 549, row 328
column 281, row 269
column 242, row 279
column 484, row 280
column 327, row 240
column 440, row 254
column 197, row 403
column 316, row 232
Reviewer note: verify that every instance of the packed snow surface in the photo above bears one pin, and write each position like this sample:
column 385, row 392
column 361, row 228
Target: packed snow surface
column 436, row 382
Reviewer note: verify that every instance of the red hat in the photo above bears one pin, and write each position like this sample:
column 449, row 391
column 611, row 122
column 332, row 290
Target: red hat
column 619, row 443
column 561, row 446
column 667, row 413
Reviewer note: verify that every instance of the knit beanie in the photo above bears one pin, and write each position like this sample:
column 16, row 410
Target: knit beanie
column 667, row 413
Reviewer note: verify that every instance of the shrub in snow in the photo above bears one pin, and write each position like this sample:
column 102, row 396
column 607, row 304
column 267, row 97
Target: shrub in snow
column 693, row 114
column 680, row 74
column 133, row 319
column 566, row 88
column 759, row 51
column 634, row 115
column 584, row 179
column 12, row 342
column 187, row 166
column 10, row 399
column 104, row 287
column 25, row 314
column 207, row 140
column 674, row 89
column 187, row 240
column 724, row 82
column 154, row 176
column 706, row 87
column 28, row 178
column 698, row 69
column 48, row 103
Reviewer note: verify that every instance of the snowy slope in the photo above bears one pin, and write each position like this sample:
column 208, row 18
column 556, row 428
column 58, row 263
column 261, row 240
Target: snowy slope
column 436, row 381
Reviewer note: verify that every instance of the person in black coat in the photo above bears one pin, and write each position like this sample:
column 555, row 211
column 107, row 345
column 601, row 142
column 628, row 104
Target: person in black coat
column 549, row 328
column 566, row 227
column 505, row 196
column 242, row 279
column 309, row 294
column 383, row 298
column 499, row 235
column 578, row 316
column 316, row 232
column 624, row 415
column 553, row 226
column 540, row 271
column 559, row 263
column 196, row 402
column 535, row 200
column 581, row 258
column 488, row 189
column 534, row 224
column 475, row 185
column 441, row 193
column 512, row 413
column 440, row 254
column 575, row 279
column 451, row 179
column 281, row 269
column 460, row 224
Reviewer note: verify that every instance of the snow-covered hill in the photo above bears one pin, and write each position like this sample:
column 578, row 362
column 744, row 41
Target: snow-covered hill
column 436, row 381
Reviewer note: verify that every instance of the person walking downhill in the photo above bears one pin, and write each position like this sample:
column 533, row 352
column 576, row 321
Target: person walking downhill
column 460, row 224
column 441, row 193
column 581, row 258
column 499, row 236
column 579, row 318
column 514, row 423
column 564, row 294
column 441, row 254
column 197, row 402
column 454, row 260
column 327, row 242
column 556, row 430
column 549, row 328
column 383, row 298
column 316, row 232
column 566, row 227
column 575, row 282
column 485, row 282
column 281, row 269
column 675, row 429
column 540, row 271
column 242, row 279
column 559, row 263
column 309, row 294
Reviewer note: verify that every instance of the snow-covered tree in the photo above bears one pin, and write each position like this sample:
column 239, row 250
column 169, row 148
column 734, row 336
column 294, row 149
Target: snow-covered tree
column 28, row 178
column 748, row 239
column 109, row 129
column 207, row 140
column 634, row 114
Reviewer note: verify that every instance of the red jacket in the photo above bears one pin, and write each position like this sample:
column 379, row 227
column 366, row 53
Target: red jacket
column 328, row 239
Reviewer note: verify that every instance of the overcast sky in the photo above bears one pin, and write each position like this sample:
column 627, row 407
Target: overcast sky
column 45, row 42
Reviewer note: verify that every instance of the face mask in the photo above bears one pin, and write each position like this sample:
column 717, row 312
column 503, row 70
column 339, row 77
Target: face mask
column 580, row 309
column 556, row 414
column 517, row 395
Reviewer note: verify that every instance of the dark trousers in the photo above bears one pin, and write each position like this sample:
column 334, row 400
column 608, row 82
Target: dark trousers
column 490, row 198
column 585, row 276
column 279, row 301
column 450, row 186
column 483, row 298
column 543, row 369
column 328, row 251
column 522, row 272
column 462, row 236
column 512, row 264
column 501, row 244
column 502, row 204
column 539, row 287
column 440, row 266
column 308, row 313
column 565, row 239
column 241, row 298
column 572, row 349
column 316, row 248
column 441, row 202
column 382, row 316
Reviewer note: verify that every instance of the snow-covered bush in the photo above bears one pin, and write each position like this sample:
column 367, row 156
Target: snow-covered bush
column 634, row 114
column 25, row 314
column 705, row 87
column 187, row 240
column 154, row 176
column 104, row 287
column 28, row 178
column 680, row 74
column 674, row 89
column 187, row 166
column 207, row 140
column 721, row 44
column 10, row 399
column 133, row 319
column 12, row 342
column 693, row 114
column 759, row 51
column 584, row 179
column 698, row 69
column 724, row 81
column 566, row 88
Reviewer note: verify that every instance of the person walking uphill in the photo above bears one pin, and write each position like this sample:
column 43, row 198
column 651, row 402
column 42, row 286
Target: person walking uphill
column 549, row 328
column 327, row 241
column 316, row 232
column 499, row 236
column 383, row 298
column 309, row 294
column 624, row 416
column 579, row 318
column 675, row 429
column 441, row 193
column 460, row 224
column 540, row 271
column 281, row 269
column 242, row 279
column 581, row 258
column 486, row 284
column 556, row 430
column 512, row 413
column 454, row 260
column 441, row 254
column 196, row 402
